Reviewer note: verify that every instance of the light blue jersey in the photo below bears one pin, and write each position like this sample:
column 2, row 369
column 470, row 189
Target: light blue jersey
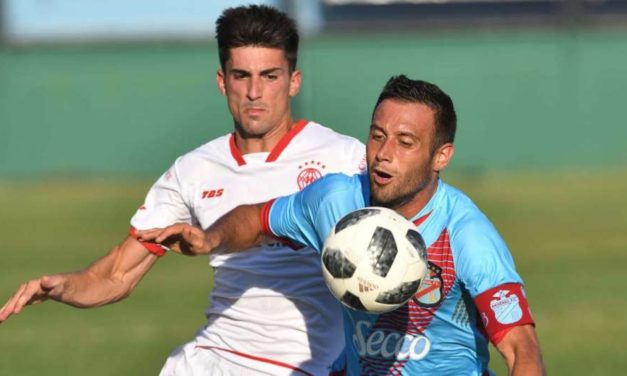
column 441, row 330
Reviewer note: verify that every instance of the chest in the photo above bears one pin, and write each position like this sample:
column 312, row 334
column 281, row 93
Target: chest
column 227, row 187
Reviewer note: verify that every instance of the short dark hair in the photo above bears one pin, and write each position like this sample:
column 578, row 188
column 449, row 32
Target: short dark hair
column 404, row 89
column 256, row 25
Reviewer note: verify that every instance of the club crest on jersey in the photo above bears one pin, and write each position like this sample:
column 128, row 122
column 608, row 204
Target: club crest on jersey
column 310, row 171
column 430, row 291
column 506, row 308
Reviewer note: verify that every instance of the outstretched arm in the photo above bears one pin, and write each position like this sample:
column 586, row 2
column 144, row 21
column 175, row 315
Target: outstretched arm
column 237, row 230
column 108, row 280
column 521, row 351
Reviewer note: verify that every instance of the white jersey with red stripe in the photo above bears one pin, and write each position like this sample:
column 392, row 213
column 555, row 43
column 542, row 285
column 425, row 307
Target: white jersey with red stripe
column 268, row 304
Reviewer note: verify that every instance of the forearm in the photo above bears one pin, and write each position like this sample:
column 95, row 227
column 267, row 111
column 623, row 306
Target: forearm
column 85, row 290
column 238, row 230
column 527, row 366
column 521, row 351
column 108, row 280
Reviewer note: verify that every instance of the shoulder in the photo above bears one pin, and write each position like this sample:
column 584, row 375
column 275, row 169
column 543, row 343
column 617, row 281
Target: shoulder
column 336, row 182
column 482, row 258
column 466, row 221
column 334, row 190
column 213, row 153
column 214, row 149
column 474, row 239
column 325, row 135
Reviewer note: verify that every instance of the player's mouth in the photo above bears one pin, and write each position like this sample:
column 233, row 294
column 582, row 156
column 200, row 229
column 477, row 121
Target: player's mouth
column 254, row 108
column 381, row 177
column 254, row 111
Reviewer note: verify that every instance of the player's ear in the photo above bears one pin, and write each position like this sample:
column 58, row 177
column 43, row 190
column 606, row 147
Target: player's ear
column 295, row 79
column 220, row 81
column 442, row 156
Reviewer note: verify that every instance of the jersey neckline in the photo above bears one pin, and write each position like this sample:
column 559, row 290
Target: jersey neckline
column 419, row 217
column 278, row 148
column 426, row 211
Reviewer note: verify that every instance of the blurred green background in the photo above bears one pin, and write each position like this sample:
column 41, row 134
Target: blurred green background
column 542, row 148
column 526, row 99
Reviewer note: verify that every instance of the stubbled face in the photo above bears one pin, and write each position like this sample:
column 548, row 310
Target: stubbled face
column 401, row 163
column 258, row 86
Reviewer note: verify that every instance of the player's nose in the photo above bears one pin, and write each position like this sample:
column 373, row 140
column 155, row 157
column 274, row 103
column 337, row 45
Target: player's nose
column 385, row 151
column 254, row 89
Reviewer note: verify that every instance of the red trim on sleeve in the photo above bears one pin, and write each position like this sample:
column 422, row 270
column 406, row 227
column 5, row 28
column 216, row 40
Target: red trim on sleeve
column 265, row 226
column 153, row 248
column 265, row 217
column 285, row 140
column 235, row 151
column 501, row 308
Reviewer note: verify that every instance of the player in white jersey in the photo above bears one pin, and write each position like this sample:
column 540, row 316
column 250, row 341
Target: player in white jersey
column 256, row 319
column 258, row 324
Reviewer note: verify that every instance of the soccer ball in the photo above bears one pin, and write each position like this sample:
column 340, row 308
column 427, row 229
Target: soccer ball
column 373, row 260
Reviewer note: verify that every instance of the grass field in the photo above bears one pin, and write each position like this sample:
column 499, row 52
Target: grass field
column 567, row 231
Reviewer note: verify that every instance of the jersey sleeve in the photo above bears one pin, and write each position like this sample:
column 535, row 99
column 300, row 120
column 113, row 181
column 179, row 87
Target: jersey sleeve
column 164, row 205
column 357, row 158
column 308, row 216
column 483, row 261
column 486, row 268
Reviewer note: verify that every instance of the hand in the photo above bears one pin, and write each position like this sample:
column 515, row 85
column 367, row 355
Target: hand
column 33, row 292
column 181, row 238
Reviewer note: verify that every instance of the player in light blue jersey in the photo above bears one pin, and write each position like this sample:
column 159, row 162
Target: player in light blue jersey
column 472, row 294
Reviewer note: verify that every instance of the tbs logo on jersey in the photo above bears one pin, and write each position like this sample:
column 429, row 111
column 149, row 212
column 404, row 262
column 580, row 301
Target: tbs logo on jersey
column 506, row 308
column 310, row 172
column 389, row 344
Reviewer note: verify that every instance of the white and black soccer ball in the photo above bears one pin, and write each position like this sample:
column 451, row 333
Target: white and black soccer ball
column 374, row 260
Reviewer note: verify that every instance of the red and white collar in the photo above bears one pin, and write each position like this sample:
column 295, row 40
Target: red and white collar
column 278, row 148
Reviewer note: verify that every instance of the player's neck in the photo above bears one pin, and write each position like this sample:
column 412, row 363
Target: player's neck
column 264, row 143
column 411, row 208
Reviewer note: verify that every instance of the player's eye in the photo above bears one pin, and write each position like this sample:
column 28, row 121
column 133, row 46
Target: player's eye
column 272, row 77
column 377, row 136
column 406, row 143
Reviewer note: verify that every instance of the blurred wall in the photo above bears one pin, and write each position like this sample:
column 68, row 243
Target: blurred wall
column 530, row 99
column 29, row 21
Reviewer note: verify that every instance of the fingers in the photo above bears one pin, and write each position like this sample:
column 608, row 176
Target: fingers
column 176, row 229
column 28, row 293
column 14, row 305
column 158, row 235
column 9, row 307
column 180, row 237
column 197, row 240
column 148, row 235
column 190, row 234
column 169, row 237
